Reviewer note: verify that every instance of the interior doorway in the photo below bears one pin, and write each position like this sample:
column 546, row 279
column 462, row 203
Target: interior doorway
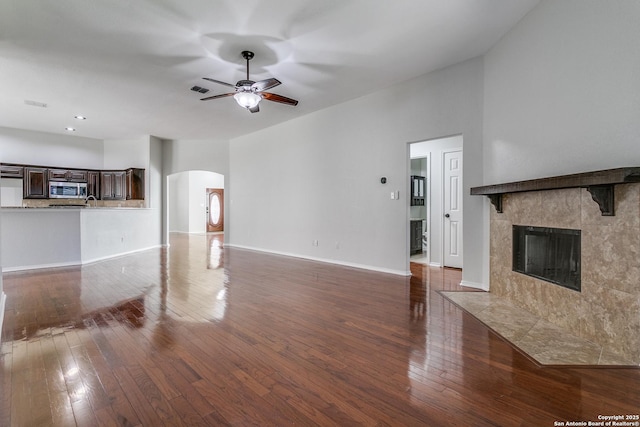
column 440, row 162
column 187, row 201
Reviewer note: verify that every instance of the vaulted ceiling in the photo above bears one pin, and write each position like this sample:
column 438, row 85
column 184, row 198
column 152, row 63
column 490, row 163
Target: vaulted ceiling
column 129, row 65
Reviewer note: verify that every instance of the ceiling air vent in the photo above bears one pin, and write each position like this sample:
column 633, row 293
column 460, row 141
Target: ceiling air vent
column 199, row 89
column 35, row 103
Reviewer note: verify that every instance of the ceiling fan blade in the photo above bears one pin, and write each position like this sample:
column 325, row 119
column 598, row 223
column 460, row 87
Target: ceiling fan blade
column 224, row 95
column 255, row 109
column 219, row 82
column 265, row 84
column 278, row 98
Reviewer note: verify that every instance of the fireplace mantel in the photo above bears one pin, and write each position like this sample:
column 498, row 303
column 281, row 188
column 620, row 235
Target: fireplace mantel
column 599, row 184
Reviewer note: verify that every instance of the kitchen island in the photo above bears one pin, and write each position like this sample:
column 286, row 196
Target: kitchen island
column 63, row 236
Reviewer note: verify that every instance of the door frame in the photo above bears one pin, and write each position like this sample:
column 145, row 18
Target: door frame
column 441, row 144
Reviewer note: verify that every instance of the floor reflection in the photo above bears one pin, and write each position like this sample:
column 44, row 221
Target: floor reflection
column 165, row 332
column 215, row 254
column 182, row 283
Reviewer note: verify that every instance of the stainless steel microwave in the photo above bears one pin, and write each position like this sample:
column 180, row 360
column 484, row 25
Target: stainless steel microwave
column 67, row 190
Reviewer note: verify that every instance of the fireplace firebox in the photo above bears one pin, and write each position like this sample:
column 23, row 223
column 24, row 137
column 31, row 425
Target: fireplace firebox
column 551, row 254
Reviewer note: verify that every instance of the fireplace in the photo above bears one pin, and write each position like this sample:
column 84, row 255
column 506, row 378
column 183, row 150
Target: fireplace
column 551, row 254
column 602, row 303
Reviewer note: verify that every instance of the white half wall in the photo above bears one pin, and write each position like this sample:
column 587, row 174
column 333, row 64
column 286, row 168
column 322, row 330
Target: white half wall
column 37, row 238
column 106, row 233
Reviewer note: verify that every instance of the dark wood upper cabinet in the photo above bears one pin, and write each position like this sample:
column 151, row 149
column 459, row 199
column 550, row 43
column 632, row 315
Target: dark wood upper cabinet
column 35, row 183
column 71, row 175
column 93, row 184
column 113, row 185
column 11, row 171
column 135, row 184
column 126, row 184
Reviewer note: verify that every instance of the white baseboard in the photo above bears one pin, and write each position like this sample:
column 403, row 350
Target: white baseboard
column 3, row 300
column 92, row 260
column 474, row 285
column 40, row 266
column 324, row 260
column 75, row 263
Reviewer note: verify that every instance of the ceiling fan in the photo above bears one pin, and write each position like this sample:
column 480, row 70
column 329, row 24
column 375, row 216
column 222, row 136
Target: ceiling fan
column 248, row 93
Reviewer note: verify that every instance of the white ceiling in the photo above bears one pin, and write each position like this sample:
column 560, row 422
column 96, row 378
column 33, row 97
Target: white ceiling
column 128, row 65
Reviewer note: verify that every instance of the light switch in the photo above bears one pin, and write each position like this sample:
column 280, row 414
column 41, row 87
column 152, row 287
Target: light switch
column 393, row 195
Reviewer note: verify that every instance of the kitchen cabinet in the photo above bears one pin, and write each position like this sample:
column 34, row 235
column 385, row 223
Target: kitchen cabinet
column 70, row 175
column 35, row 183
column 93, row 184
column 417, row 190
column 11, row 171
column 135, row 184
column 415, row 245
column 113, row 185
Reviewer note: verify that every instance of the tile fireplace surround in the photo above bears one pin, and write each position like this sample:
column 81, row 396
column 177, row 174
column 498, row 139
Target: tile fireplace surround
column 607, row 310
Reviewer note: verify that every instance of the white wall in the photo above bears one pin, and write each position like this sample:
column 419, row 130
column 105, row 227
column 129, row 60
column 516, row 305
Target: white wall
column 178, row 202
column 155, row 188
column 206, row 155
column 126, row 153
column 318, row 177
column 3, row 296
column 562, row 91
column 35, row 148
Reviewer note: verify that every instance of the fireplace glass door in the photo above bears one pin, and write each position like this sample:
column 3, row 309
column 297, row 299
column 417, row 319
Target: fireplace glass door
column 551, row 254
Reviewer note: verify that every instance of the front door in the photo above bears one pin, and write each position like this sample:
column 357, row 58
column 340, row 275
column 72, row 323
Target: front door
column 215, row 209
column 453, row 209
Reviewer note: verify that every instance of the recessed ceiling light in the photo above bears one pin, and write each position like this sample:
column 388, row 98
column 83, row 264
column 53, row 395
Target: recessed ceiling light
column 70, row 129
column 80, row 117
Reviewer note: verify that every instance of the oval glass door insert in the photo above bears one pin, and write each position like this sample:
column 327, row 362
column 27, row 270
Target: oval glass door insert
column 214, row 209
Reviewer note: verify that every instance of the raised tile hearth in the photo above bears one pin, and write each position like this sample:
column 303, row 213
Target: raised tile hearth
column 543, row 341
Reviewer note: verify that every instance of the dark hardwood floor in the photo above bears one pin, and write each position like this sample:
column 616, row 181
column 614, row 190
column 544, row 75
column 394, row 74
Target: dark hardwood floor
column 200, row 335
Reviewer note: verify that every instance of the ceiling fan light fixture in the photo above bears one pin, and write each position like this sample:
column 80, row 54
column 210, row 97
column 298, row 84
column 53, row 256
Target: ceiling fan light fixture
column 247, row 99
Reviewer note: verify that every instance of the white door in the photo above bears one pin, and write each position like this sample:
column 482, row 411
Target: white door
column 452, row 209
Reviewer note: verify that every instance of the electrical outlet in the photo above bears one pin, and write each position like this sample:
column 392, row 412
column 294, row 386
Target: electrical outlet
column 314, row 243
